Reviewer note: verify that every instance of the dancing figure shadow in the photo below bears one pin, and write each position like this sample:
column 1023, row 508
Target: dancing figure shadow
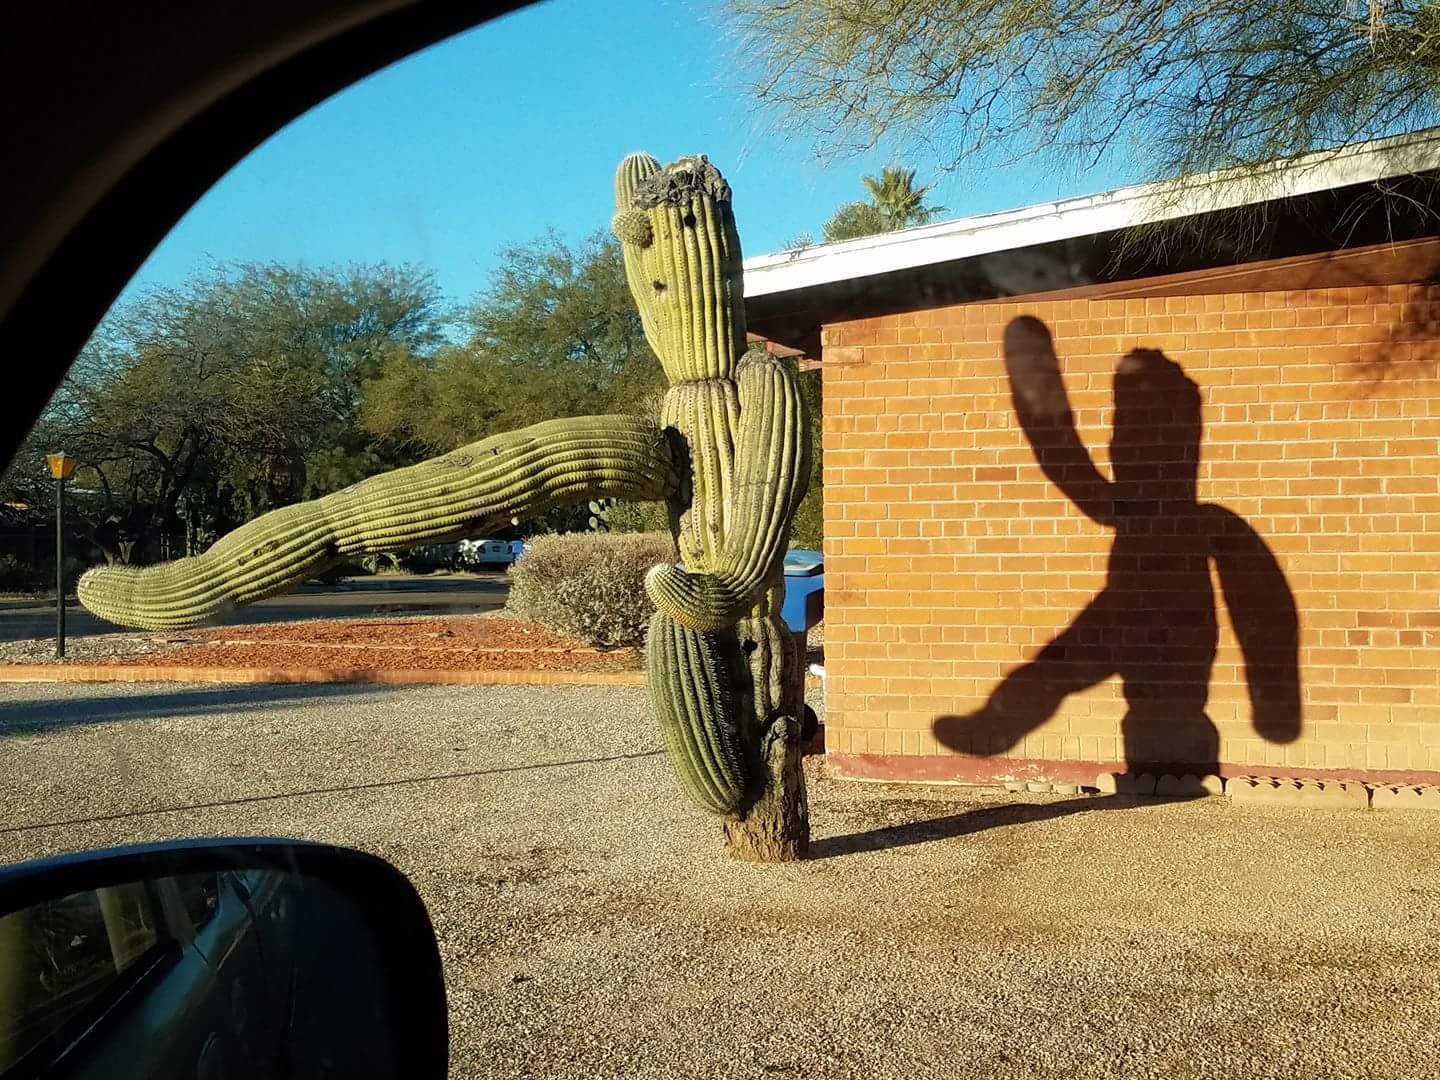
column 1154, row 623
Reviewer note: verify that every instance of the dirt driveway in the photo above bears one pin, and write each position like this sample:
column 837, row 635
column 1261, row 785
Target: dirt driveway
column 591, row 925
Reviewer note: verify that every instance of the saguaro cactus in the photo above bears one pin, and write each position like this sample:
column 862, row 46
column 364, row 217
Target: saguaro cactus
column 730, row 457
column 724, row 672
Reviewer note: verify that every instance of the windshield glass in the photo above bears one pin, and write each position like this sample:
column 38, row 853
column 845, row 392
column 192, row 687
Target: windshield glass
column 875, row 540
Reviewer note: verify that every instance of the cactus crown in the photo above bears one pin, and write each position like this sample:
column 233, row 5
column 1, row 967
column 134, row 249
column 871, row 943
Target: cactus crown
column 679, row 182
column 682, row 260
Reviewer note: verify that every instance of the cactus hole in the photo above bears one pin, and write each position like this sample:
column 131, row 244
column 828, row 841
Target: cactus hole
column 659, row 286
column 688, row 220
column 748, row 646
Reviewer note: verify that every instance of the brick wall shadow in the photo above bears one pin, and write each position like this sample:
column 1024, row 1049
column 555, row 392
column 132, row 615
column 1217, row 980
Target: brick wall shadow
column 1407, row 353
column 1155, row 623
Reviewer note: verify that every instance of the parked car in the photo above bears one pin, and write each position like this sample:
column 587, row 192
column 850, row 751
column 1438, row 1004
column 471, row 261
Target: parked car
column 482, row 552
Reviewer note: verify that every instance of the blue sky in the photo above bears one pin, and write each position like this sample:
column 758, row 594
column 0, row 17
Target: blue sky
column 495, row 136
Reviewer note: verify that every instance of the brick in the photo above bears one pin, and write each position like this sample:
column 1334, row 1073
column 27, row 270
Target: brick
column 1335, row 795
column 1187, row 785
column 1312, row 794
column 1339, row 485
column 1143, row 784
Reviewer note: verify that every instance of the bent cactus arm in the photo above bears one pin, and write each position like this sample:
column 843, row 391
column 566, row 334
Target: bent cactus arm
column 518, row 474
column 772, row 470
column 696, row 700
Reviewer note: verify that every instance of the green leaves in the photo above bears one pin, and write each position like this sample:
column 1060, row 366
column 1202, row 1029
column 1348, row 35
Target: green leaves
column 554, row 334
column 202, row 404
column 895, row 203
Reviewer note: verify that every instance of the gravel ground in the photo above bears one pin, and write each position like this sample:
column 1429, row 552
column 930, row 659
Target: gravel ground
column 592, row 926
column 94, row 648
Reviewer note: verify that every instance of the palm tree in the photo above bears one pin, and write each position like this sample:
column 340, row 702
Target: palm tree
column 895, row 203
column 900, row 202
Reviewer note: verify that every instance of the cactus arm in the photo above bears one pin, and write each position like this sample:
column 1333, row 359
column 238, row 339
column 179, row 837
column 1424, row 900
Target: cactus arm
column 694, row 696
column 517, row 474
column 772, row 471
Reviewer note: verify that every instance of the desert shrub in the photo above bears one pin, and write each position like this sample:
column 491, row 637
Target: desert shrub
column 591, row 585
column 637, row 517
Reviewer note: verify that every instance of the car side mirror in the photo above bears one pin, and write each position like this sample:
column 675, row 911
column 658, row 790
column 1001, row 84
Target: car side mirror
column 213, row 959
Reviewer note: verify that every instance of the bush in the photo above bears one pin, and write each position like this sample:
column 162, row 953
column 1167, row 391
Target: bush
column 637, row 517
column 591, row 585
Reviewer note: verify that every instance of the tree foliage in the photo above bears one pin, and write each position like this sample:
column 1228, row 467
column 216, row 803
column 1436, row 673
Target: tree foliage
column 895, row 203
column 853, row 220
column 554, row 334
column 1179, row 87
column 199, row 406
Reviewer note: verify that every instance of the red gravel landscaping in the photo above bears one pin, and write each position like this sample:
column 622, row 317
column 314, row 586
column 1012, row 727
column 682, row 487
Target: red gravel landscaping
column 462, row 643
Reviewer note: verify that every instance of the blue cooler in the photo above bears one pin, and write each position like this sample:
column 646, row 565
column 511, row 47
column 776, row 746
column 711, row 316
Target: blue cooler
column 804, row 604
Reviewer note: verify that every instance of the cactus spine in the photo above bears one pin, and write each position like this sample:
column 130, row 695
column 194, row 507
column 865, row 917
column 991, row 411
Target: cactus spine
column 743, row 423
column 467, row 491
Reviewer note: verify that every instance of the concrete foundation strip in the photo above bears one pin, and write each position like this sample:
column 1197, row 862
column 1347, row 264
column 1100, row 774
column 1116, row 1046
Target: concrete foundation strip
column 1272, row 791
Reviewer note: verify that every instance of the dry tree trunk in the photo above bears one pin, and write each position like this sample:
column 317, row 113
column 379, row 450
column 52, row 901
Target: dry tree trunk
column 775, row 826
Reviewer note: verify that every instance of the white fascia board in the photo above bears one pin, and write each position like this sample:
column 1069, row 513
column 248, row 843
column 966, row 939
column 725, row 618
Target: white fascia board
column 1087, row 215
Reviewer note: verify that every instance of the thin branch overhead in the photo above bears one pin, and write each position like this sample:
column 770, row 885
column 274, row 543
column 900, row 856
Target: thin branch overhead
column 1175, row 87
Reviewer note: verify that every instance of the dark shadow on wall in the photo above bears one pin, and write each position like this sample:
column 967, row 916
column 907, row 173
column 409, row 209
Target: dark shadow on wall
column 1154, row 624
column 1409, row 353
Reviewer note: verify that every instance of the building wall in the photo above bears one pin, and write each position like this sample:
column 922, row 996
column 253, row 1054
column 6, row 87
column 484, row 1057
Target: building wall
column 955, row 564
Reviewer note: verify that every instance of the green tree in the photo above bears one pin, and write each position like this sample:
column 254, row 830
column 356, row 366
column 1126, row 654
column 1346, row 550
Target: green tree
column 852, row 221
column 895, row 203
column 199, row 406
column 555, row 333
column 900, row 202
column 1177, row 87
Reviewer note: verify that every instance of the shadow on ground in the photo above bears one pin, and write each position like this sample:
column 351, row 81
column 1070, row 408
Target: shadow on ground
column 61, row 710
column 970, row 821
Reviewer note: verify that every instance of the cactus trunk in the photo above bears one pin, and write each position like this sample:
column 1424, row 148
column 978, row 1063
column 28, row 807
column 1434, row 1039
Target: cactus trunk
column 776, row 824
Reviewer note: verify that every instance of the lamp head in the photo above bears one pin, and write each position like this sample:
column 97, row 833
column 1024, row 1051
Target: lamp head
column 62, row 465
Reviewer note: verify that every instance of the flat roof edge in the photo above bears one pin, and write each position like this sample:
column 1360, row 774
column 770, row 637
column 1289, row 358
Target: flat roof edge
column 1127, row 207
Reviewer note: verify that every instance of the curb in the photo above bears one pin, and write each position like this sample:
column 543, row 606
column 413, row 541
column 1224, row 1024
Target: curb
column 87, row 673
column 94, row 673
column 1274, row 791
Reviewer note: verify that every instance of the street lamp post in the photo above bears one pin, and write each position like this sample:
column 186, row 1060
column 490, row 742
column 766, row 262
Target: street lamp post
column 61, row 466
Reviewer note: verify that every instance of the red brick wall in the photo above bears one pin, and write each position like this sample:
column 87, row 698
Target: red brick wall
column 953, row 560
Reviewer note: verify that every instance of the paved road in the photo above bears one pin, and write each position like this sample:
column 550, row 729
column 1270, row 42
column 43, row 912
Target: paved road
column 591, row 925
column 22, row 620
